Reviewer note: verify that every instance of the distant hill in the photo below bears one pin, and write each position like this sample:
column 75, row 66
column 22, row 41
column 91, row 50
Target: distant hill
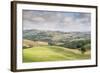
column 54, row 35
column 64, row 39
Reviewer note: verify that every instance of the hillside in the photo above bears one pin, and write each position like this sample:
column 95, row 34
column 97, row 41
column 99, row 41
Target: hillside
column 30, row 43
column 52, row 53
column 40, row 45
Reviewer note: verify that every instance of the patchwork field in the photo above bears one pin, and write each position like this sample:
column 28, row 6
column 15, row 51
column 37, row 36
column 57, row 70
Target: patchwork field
column 52, row 53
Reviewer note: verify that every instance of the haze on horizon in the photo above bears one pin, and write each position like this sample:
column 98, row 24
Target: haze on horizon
column 56, row 21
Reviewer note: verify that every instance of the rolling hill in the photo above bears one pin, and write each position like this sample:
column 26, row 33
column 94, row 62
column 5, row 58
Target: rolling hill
column 59, row 36
column 40, row 45
column 52, row 53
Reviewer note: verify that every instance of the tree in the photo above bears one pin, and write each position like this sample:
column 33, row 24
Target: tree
column 83, row 50
column 87, row 46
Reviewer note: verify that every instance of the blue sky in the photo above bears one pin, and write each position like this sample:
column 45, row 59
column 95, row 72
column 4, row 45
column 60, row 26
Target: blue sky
column 56, row 21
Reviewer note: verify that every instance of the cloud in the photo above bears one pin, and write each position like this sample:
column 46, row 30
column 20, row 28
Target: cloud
column 60, row 21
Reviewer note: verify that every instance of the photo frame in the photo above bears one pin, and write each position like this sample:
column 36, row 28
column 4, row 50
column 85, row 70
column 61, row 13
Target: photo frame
column 46, row 36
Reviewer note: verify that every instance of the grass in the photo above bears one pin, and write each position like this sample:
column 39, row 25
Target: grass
column 52, row 53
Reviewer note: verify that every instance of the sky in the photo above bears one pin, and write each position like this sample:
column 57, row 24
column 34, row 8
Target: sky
column 56, row 21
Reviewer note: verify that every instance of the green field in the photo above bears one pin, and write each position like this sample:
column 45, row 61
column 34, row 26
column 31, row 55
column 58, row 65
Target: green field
column 52, row 53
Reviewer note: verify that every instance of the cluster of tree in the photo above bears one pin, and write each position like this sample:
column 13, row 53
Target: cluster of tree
column 82, row 44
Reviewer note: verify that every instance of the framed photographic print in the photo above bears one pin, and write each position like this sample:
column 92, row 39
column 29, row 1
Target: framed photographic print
column 47, row 36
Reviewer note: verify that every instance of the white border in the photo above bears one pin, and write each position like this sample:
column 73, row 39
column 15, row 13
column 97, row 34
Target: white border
column 34, row 65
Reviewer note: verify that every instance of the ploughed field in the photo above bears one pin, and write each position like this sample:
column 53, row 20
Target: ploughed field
column 52, row 53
